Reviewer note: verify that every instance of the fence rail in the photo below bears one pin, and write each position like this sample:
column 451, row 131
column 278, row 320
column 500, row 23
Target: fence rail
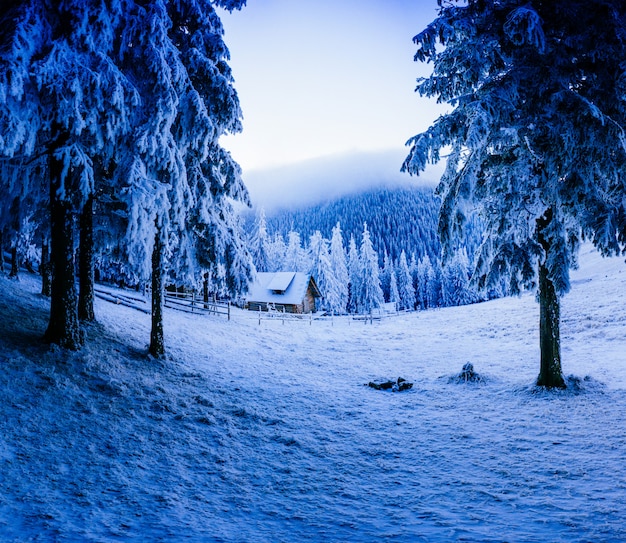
column 122, row 298
column 192, row 303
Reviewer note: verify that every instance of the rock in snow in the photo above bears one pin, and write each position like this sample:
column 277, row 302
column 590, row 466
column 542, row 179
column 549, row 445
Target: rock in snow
column 395, row 386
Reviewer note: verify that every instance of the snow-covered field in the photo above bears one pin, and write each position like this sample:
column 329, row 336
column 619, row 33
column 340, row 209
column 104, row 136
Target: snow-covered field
column 266, row 433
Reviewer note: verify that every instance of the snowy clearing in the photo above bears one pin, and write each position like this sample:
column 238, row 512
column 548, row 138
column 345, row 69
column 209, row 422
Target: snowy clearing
column 251, row 432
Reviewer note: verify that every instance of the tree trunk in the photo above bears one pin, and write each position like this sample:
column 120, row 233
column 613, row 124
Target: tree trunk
column 157, row 341
column 45, row 269
column 14, row 265
column 1, row 253
column 205, row 288
column 550, row 373
column 86, row 264
column 63, row 327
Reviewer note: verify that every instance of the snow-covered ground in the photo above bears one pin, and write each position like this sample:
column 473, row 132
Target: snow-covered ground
column 266, row 433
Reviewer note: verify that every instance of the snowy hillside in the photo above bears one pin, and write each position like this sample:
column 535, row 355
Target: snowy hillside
column 265, row 432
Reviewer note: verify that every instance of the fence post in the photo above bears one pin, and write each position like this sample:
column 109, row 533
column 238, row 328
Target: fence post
column 259, row 315
column 193, row 300
column 229, row 310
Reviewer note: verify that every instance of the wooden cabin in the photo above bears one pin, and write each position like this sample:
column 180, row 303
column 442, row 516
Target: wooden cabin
column 291, row 292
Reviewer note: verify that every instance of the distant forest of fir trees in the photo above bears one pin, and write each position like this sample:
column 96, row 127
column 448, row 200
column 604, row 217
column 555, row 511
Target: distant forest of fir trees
column 367, row 249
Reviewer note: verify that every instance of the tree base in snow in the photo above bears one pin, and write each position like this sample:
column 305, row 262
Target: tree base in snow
column 551, row 381
column 394, row 386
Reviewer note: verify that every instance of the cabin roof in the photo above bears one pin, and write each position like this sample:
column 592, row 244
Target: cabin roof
column 280, row 288
column 281, row 281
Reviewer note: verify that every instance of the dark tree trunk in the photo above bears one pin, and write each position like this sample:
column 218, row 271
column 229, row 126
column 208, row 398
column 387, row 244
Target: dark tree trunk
column 205, row 287
column 86, row 264
column 45, row 269
column 63, row 327
column 550, row 373
column 157, row 341
column 14, row 264
column 1, row 253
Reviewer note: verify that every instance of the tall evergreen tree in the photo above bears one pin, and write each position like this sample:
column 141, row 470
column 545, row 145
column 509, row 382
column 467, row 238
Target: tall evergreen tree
column 405, row 284
column 277, row 252
column 62, row 96
column 337, row 297
column 456, row 284
column 424, row 273
column 394, row 294
column 354, row 275
column 259, row 244
column 370, row 295
column 385, row 276
column 536, row 133
column 321, row 268
column 295, row 255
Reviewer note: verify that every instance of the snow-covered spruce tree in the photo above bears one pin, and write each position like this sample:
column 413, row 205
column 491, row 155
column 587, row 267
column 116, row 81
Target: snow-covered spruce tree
column 405, row 284
column 277, row 251
column 259, row 244
column 321, row 269
column 208, row 109
column 414, row 278
column 62, row 97
column 354, row 276
column 369, row 295
column 536, row 138
column 337, row 297
column 385, row 276
column 456, row 284
column 424, row 271
column 179, row 180
column 434, row 282
column 394, row 294
column 150, row 167
column 295, row 256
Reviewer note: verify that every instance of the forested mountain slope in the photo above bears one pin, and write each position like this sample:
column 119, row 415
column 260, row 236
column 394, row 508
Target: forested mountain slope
column 403, row 218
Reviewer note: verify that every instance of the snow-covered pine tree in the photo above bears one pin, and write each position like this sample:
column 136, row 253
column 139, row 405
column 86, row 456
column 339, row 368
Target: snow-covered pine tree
column 259, row 244
column 277, row 251
column 295, row 256
column 405, row 284
column 434, row 282
column 536, row 134
column 354, row 275
column 394, row 294
column 208, row 108
column 424, row 273
column 178, row 181
column 321, row 269
column 414, row 277
column 456, row 284
column 369, row 295
column 151, row 167
column 62, row 96
column 337, row 298
column 385, row 276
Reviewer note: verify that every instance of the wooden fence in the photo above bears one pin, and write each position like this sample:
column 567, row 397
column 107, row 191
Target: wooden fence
column 193, row 303
column 123, row 298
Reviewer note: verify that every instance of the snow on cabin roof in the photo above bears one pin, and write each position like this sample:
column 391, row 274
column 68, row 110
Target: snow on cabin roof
column 264, row 288
column 281, row 281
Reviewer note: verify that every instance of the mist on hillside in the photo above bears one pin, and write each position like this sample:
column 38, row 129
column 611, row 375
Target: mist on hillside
column 327, row 178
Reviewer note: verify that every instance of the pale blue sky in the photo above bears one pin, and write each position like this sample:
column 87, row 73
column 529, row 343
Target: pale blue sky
column 326, row 77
